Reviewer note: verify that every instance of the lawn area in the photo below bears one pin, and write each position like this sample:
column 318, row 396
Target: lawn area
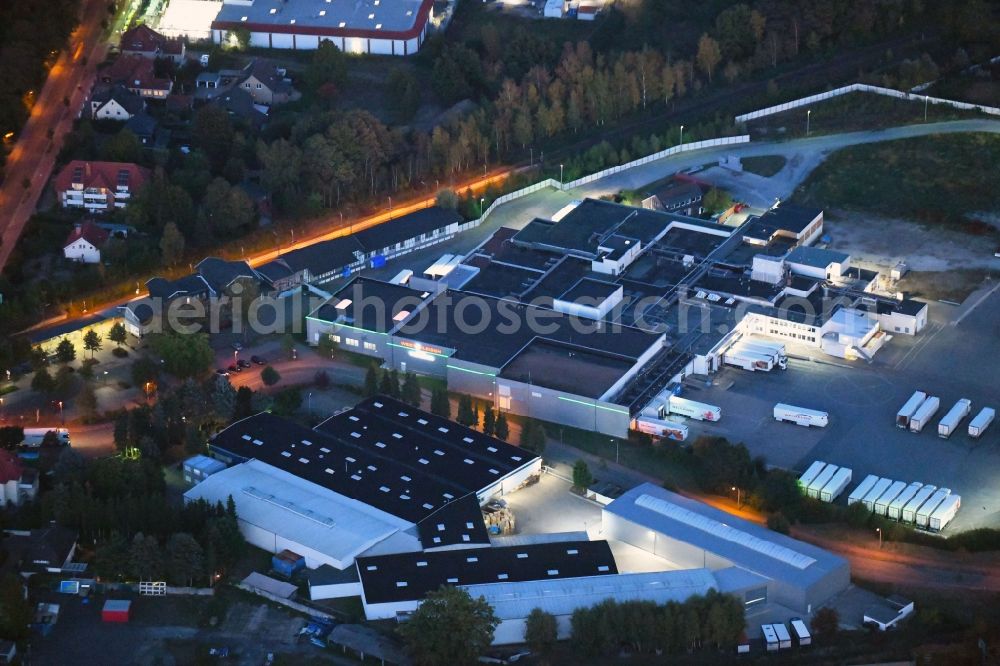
column 940, row 180
column 851, row 113
column 764, row 165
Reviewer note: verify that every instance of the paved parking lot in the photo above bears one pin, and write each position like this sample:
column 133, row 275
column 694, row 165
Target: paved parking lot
column 949, row 361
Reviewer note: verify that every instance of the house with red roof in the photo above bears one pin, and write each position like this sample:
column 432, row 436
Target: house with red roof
column 138, row 74
column 84, row 243
column 146, row 42
column 16, row 482
column 98, row 187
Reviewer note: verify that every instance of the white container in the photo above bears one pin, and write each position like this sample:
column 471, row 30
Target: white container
column 801, row 632
column 876, row 491
column 660, row 429
column 895, row 509
column 810, row 474
column 784, row 638
column 747, row 360
column 909, row 513
column 821, row 480
column 881, row 505
column 954, row 417
column 911, row 405
column 692, row 409
column 770, row 637
column 800, row 415
column 944, row 513
column 930, row 506
column 837, row 484
column 777, row 355
column 863, row 488
column 925, row 412
column 984, row 418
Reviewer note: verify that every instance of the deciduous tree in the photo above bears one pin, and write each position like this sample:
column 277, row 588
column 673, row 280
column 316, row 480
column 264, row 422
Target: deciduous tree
column 450, row 628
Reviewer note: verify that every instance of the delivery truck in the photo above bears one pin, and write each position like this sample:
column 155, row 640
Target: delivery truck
column 978, row 425
column 954, row 417
column 876, row 491
column 863, row 488
column 800, row 415
column 810, row 474
column 838, row 482
column 660, row 429
column 909, row 514
column 33, row 437
column 944, row 513
column 821, row 480
column 923, row 516
column 692, row 409
column 770, row 637
column 881, row 506
column 895, row 509
column 925, row 412
column 741, row 358
column 801, row 632
column 906, row 412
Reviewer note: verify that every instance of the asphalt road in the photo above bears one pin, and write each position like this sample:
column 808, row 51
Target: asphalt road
column 34, row 154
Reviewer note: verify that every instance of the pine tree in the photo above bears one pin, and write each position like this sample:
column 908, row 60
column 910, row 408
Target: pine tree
column 465, row 414
column 411, row 390
column 502, row 430
column 385, row 383
column 371, row 381
column 489, row 420
column 396, row 392
column 440, row 405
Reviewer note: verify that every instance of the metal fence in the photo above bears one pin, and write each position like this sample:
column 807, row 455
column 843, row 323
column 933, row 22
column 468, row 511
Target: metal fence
column 863, row 87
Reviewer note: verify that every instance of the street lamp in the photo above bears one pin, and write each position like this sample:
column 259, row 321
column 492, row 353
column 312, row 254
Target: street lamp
column 560, row 174
column 737, row 490
column 616, row 449
column 62, row 418
column 310, row 408
column 681, row 142
column 105, row 377
column 925, row 108
column 879, row 530
column 808, row 114
column 481, row 200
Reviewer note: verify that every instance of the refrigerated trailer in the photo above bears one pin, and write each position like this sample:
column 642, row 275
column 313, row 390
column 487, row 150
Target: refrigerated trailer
column 954, row 417
column 770, row 637
column 33, row 437
column 838, row 482
column 776, row 354
column 944, row 513
column 784, row 638
column 909, row 407
column 692, row 409
column 909, row 513
column 821, row 480
column 747, row 360
column 984, row 418
column 800, row 415
column 810, row 474
column 802, row 635
column 930, row 506
column 859, row 493
column 881, row 505
column 661, row 429
column 895, row 509
column 927, row 409
column 876, row 491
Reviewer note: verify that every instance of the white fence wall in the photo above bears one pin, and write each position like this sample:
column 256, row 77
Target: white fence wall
column 862, row 87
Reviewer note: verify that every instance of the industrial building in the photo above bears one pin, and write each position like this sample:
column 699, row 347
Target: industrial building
column 387, row 27
column 382, row 477
column 764, row 566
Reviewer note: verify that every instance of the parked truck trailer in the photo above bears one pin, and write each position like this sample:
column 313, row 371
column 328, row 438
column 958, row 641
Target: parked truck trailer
column 770, row 637
column 800, row 415
column 954, row 417
column 742, row 358
column 895, row 509
column 978, row 425
column 33, row 437
column 775, row 352
column 802, row 635
column 923, row 516
column 925, row 412
column 876, row 491
column 821, row 480
column 810, row 474
column 784, row 638
column 945, row 512
column 695, row 410
column 661, row 429
column 863, row 489
column 909, row 407
column 881, row 505
column 909, row 514
column 838, row 482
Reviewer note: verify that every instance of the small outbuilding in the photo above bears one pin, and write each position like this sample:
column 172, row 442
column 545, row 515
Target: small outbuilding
column 116, row 610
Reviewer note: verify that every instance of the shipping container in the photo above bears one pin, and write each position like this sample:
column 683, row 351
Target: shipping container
column 881, row 505
column 944, row 513
column 984, row 418
column 954, row 417
column 800, row 415
column 784, row 638
column 909, row 513
column 695, row 410
column 876, row 491
column 770, row 637
column 925, row 412
column 923, row 516
column 911, row 405
column 821, row 480
column 116, row 610
column 859, row 493
column 895, row 510
column 837, row 484
column 810, row 474
column 802, row 635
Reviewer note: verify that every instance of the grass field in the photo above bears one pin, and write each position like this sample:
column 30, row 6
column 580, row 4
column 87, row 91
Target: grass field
column 941, row 180
column 764, row 165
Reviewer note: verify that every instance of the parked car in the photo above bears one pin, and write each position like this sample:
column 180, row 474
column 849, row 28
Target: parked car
column 235, row 368
column 259, row 360
column 243, row 363
column 222, row 372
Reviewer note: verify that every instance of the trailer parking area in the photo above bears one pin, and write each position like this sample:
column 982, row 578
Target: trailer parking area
column 948, row 361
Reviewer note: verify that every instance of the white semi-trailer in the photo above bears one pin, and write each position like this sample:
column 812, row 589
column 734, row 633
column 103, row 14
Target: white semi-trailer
column 925, row 412
column 895, row 509
column 821, row 480
column 775, row 352
column 661, row 429
column 863, row 488
column 800, row 415
column 876, row 491
column 836, row 485
column 770, row 637
column 954, row 417
column 909, row 514
column 784, row 638
column 810, row 474
column 944, row 513
column 923, row 516
column 881, row 505
column 747, row 360
column 33, row 437
column 692, row 409
column 909, row 407
column 802, row 635
column 984, row 418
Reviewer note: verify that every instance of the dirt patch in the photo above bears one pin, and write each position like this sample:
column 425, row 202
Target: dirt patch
column 952, row 286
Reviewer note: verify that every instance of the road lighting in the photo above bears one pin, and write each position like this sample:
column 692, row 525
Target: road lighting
column 560, row 174
column 681, row 142
column 62, row 417
column 879, row 530
column 808, row 114
column 737, row 490
column 310, row 408
column 925, row 108
column 481, row 200
column 105, row 377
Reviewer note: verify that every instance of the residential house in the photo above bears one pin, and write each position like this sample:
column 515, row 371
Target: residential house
column 8, row 652
column 144, row 127
column 138, row 74
column 145, row 42
column 85, row 242
column 267, row 84
column 46, row 550
column 17, row 483
column 115, row 103
column 239, row 104
column 98, row 187
column 677, row 196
